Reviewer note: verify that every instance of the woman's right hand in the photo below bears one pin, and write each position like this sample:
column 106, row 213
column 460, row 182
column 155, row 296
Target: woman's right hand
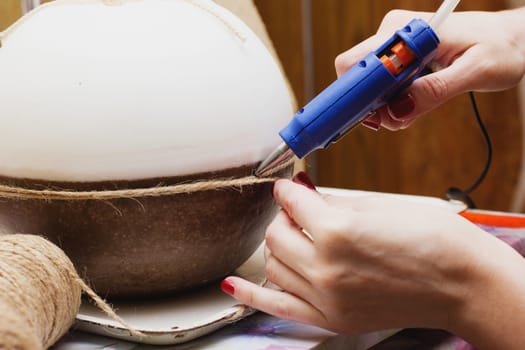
column 479, row 51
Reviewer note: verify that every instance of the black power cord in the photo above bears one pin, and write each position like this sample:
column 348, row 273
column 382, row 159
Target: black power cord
column 464, row 195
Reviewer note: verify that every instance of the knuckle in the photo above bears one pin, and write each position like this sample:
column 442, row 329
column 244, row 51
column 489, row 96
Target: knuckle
column 249, row 298
column 330, row 240
column 492, row 71
column 267, row 253
column 270, row 269
column 269, row 236
column 282, row 309
column 393, row 17
column 334, row 233
column 272, row 231
column 434, row 88
column 341, row 63
column 293, row 205
column 327, row 279
column 390, row 15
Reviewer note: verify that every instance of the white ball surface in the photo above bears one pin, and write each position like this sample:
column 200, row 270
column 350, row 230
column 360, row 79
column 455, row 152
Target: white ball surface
column 96, row 90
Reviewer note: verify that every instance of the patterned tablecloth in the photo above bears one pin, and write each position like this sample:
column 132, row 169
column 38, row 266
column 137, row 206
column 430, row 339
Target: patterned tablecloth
column 263, row 332
column 508, row 227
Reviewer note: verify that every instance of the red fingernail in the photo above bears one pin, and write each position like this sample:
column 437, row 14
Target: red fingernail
column 302, row 178
column 227, row 287
column 401, row 106
column 371, row 124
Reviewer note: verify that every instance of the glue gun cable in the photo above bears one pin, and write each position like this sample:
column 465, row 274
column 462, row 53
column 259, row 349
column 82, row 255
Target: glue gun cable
column 464, row 195
column 488, row 144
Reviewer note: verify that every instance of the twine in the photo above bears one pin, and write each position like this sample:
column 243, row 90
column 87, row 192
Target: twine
column 16, row 192
column 40, row 290
column 40, row 293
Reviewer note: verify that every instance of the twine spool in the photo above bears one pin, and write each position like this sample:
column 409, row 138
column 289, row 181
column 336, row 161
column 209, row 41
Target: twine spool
column 39, row 296
column 40, row 293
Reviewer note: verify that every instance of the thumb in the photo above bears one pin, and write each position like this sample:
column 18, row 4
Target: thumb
column 432, row 90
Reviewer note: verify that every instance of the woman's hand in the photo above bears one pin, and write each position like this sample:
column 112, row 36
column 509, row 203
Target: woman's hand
column 375, row 263
column 479, row 51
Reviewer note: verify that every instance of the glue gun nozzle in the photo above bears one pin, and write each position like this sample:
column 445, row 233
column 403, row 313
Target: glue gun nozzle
column 279, row 156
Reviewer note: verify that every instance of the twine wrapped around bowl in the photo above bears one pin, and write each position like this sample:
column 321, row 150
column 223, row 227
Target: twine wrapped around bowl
column 118, row 114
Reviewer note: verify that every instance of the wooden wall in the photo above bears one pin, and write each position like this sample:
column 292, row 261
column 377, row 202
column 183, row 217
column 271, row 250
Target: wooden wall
column 442, row 149
column 9, row 12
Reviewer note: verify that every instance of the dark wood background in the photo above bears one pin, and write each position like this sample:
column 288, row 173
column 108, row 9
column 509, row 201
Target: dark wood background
column 442, row 149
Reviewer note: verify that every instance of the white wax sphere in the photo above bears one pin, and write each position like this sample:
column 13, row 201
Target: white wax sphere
column 95, row 90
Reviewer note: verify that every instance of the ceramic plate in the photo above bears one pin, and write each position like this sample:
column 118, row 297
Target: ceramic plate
column 188, row 316
column 176, row 319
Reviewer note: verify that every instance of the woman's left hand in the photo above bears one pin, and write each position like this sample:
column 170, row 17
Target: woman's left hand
column 372, row 263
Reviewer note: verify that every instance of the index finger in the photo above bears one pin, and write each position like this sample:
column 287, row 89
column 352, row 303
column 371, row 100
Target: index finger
column 393, row 21
column 349, row 58
column 303, row 205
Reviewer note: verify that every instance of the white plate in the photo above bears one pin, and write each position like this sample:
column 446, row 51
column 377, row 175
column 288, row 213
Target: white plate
column 175, row 319
column 181, row 318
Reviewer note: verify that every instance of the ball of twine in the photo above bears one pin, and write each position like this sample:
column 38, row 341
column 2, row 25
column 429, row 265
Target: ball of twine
column 40, row 293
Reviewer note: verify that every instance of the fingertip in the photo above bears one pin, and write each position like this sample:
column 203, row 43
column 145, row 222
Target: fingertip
column 373, row 122
column 278, row 187
column 238, row 288
column 274, row 302
column 385, row 120
column 285, row 189
column 302, row 178
column 247, row 292
column 401, row 107
column 228, row 286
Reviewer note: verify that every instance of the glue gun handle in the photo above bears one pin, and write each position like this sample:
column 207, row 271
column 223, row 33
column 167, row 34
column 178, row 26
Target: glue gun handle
column 360, row 91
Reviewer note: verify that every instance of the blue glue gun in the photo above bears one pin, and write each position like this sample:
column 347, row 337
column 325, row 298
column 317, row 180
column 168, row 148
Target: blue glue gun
column 356, row 94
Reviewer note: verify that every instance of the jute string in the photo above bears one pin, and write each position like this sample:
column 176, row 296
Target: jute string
column 40, row 290
column 7, row 191
column 40, row 293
